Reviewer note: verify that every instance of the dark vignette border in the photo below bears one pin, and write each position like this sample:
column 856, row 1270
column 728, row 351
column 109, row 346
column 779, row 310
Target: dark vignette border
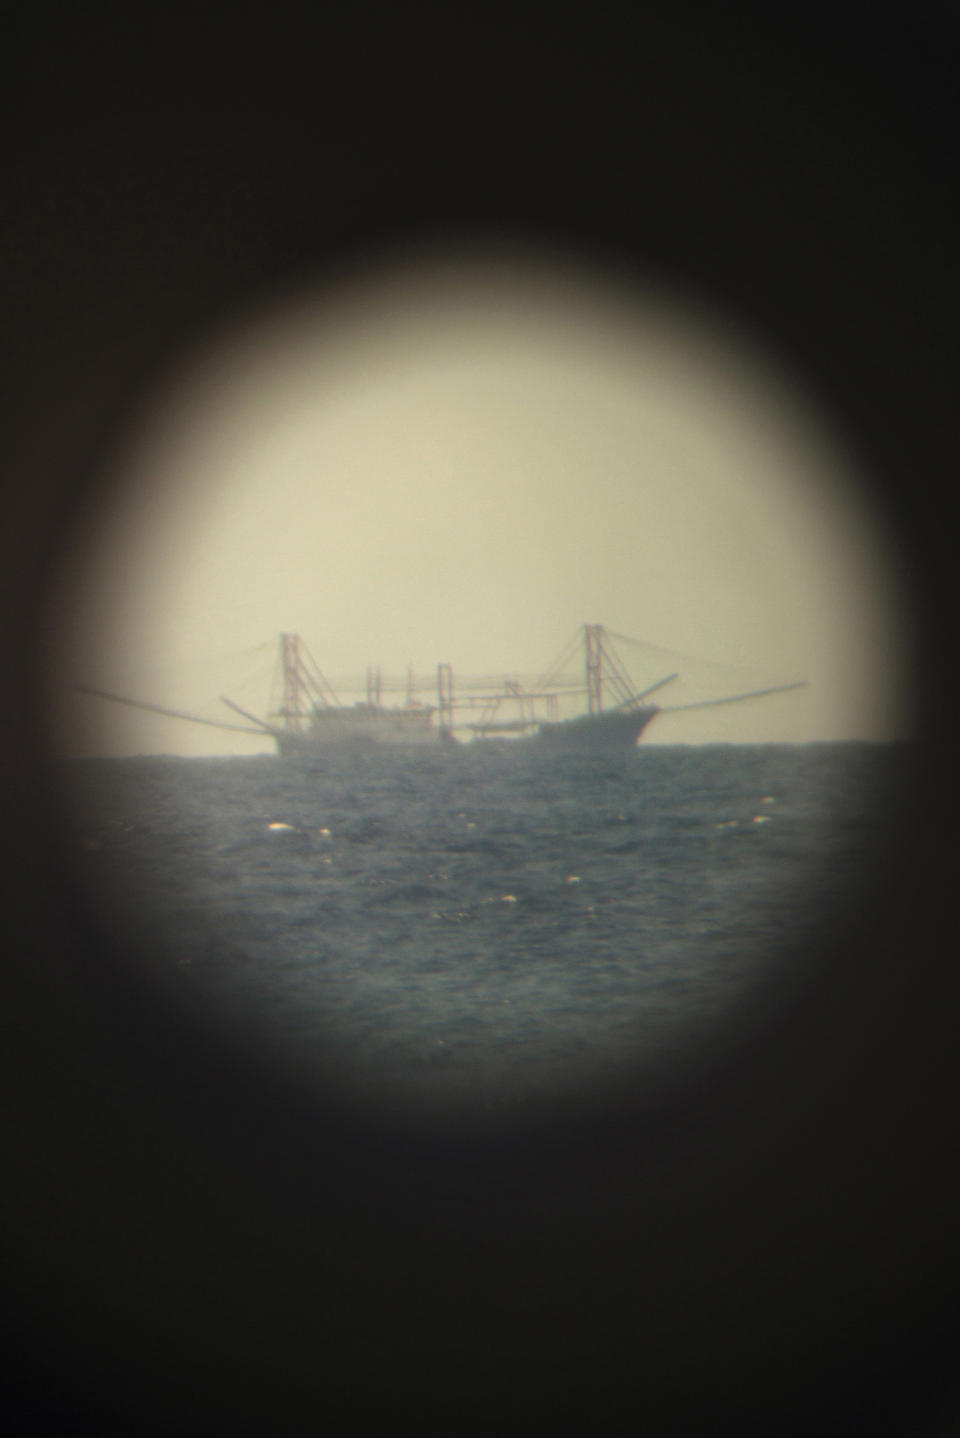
column 188, row 1246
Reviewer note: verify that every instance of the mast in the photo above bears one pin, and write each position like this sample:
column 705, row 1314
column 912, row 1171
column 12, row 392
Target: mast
column 303, row 688
column 593, row 657
column 373, row 685
column 291, row 712
column 445, row 699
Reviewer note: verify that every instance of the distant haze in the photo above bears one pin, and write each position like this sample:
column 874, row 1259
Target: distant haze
column 463, row 459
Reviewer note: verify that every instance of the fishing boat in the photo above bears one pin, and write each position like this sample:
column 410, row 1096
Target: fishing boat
column 310, row 719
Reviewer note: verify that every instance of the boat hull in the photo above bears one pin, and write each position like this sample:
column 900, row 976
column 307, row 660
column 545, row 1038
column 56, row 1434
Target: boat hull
column 367, row 727
column 615, row 730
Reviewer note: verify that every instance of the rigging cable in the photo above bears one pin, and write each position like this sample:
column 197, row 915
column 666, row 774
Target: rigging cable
column 679, row 654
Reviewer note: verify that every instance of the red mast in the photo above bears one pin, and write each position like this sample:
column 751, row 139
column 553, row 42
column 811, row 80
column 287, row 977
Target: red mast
column 292, row 711
column 445, row 700
column 593, row 646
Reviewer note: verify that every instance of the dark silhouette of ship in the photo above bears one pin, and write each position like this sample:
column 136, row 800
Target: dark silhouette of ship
column 312, row 720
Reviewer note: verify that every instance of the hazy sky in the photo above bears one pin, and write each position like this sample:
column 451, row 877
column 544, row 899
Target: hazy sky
column 464, row 460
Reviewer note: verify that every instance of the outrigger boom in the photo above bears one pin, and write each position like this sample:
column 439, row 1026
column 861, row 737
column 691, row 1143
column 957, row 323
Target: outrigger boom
column 175, row 713
column 735, row 698
column 263, row 727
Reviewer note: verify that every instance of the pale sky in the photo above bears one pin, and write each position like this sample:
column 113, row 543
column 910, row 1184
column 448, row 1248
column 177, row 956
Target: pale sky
column 463, row 460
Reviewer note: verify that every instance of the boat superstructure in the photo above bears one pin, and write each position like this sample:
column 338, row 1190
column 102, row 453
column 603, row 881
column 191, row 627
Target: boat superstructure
column 311, row 716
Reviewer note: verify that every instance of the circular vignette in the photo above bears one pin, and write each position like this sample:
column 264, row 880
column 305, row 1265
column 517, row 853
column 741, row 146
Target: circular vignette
column 516, row 294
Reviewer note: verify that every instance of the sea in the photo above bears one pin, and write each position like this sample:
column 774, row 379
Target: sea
column 482, row 930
